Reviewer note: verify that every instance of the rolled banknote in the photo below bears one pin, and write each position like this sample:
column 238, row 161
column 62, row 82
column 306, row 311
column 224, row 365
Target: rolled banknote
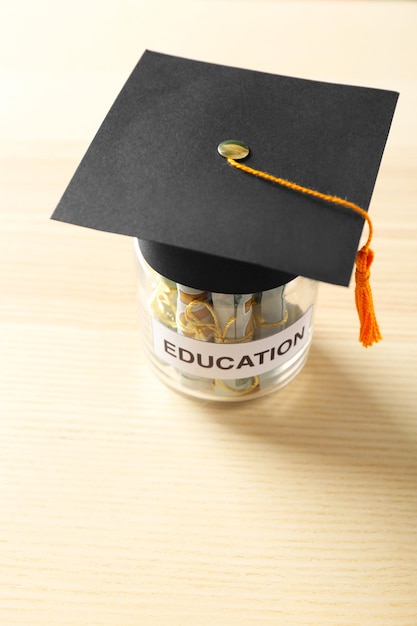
column 234, row 321
column 275, row 313
column 164, row 301
column 271, row 312
column 194, row 319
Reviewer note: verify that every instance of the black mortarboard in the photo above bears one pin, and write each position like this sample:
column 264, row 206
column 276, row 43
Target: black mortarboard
column 153, row 172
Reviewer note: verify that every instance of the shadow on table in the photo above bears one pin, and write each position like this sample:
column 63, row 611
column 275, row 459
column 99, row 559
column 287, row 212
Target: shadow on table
column 330, row 415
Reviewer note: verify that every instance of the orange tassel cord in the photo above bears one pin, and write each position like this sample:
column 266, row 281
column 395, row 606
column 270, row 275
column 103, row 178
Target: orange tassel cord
column 369, row 330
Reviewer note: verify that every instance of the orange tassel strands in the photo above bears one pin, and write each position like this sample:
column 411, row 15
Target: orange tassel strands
column 369, row 329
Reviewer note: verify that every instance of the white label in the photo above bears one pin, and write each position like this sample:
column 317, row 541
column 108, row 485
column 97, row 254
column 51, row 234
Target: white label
column 230, row 361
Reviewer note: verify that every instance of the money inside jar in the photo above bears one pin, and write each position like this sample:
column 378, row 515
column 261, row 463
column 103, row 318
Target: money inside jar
column 229, row 346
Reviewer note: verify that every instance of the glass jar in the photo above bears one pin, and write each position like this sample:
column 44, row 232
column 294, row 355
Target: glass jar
column 224, row 347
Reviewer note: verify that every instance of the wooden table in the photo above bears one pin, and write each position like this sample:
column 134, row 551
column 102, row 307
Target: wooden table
column 123, row 503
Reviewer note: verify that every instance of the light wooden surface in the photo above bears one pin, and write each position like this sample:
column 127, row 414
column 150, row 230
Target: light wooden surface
column 124, row 504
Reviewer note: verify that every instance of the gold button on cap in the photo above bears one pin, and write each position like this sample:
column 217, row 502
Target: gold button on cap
column 232, row 149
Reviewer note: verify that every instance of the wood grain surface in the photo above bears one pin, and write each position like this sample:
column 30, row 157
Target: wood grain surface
column 123, row 503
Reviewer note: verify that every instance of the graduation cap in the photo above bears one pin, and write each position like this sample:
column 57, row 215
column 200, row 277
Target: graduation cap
column 153, row 171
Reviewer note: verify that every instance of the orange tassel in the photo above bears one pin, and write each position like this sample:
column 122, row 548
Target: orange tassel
column 369, row 329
